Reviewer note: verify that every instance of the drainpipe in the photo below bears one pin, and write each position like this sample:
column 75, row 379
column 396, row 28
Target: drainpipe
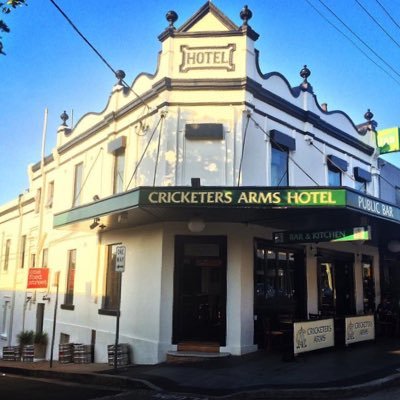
column 17, row 260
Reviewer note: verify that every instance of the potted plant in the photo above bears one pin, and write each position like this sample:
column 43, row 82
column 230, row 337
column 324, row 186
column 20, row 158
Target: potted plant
column 25, row 338
column 40, row 340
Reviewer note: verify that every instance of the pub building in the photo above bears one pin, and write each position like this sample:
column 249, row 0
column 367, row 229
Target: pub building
column 206, row 206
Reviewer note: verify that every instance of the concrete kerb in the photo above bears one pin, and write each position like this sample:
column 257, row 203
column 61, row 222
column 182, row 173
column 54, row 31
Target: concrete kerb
column 89, row 378
column 126, row 383
column 317, row 393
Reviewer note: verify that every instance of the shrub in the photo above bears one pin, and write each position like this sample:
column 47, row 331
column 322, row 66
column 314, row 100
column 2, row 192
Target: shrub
column 41, row 338
column 25, row 337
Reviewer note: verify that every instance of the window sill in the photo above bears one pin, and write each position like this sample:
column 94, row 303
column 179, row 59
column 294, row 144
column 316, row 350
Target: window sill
column 70, row 307
column 103, row 311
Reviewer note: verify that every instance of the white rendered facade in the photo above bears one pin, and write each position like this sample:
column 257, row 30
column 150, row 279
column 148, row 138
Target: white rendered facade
column 207, row 73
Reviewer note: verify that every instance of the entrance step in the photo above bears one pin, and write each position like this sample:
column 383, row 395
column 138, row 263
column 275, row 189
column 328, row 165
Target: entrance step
column 193, row 356
column 192, row 351
column 193, row 346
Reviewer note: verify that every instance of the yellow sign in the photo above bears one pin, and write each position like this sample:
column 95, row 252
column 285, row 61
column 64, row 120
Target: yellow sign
column 388, row 140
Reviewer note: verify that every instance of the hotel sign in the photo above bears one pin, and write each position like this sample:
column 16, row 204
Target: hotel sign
column 313, row 335
column 245, row 197
column 327, row 235
column 210, row 57
column 359, row 329
column 268, row 198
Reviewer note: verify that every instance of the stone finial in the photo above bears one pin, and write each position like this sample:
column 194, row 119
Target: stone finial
column 120, row 75
column 245, row 15
column 171, row 17
column 305, row 73
column 368, row 115
column 305, row 85
column 64, row 117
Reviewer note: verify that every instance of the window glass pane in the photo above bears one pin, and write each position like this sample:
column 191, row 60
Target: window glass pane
column 119, row 166
column 113, row 279
column 22, row 254
column 334, row 178
column 398, row 196
column 50, row 195
column 273, row 274
column 45, row 257
column 368, row 285
column 326, row 288
column 7, row 254
column 77, row 185
column 361, row 186
column 279, row 167
column 69, row 292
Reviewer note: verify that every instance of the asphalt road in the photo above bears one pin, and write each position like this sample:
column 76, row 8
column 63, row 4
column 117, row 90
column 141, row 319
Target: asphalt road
column 21, row 388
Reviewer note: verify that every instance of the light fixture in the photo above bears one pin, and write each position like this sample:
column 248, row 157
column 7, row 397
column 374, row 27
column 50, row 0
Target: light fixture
column 196, row 224
column 46, row 297
column 94, row 223
column 123, row 217
column 195, row 182
column 96, row 197
column 394, row 246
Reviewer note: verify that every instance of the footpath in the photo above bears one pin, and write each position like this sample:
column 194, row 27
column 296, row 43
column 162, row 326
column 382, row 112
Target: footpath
column 334, row 373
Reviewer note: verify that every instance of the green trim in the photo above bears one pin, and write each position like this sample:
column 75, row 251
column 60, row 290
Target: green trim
column 102, row 207
column 186, row 197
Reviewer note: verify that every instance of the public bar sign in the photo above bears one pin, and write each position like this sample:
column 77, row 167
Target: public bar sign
column 38, row 278
column 327, row 235
column 313, row 335
column 359, row 328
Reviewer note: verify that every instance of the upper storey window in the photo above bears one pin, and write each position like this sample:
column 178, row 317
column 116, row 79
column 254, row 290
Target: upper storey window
column 362, row 177
column 119, row 167
column 117, row 148
column 77, row 185
column 336, row 167
column 279, row 167
column 281, row 145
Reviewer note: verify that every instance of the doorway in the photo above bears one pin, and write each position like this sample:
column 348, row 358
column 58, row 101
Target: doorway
column 199, row 312
column 336, row 285
column 39, row 317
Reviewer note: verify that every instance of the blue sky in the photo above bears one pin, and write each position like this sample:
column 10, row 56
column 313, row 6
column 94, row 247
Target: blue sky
column 49, row 66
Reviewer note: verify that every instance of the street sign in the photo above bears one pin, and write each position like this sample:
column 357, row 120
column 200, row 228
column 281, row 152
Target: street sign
column 120, row 259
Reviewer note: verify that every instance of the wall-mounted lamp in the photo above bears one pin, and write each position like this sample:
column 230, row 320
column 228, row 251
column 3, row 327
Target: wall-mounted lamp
column 123, row 217
column 96, row 197
column 196, row 224
column 95, row 223
column 46, row 297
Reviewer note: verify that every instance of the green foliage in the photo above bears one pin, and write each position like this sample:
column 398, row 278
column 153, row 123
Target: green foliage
column 25, row 337
column 41, row 338
column 6, row 9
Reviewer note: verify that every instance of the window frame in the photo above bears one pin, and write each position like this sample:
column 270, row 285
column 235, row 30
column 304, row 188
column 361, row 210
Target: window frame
column 119, row 170
column 78, row 178
column 283, row 178
column 7, row 255
column 112, row 283
column 70, row 282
